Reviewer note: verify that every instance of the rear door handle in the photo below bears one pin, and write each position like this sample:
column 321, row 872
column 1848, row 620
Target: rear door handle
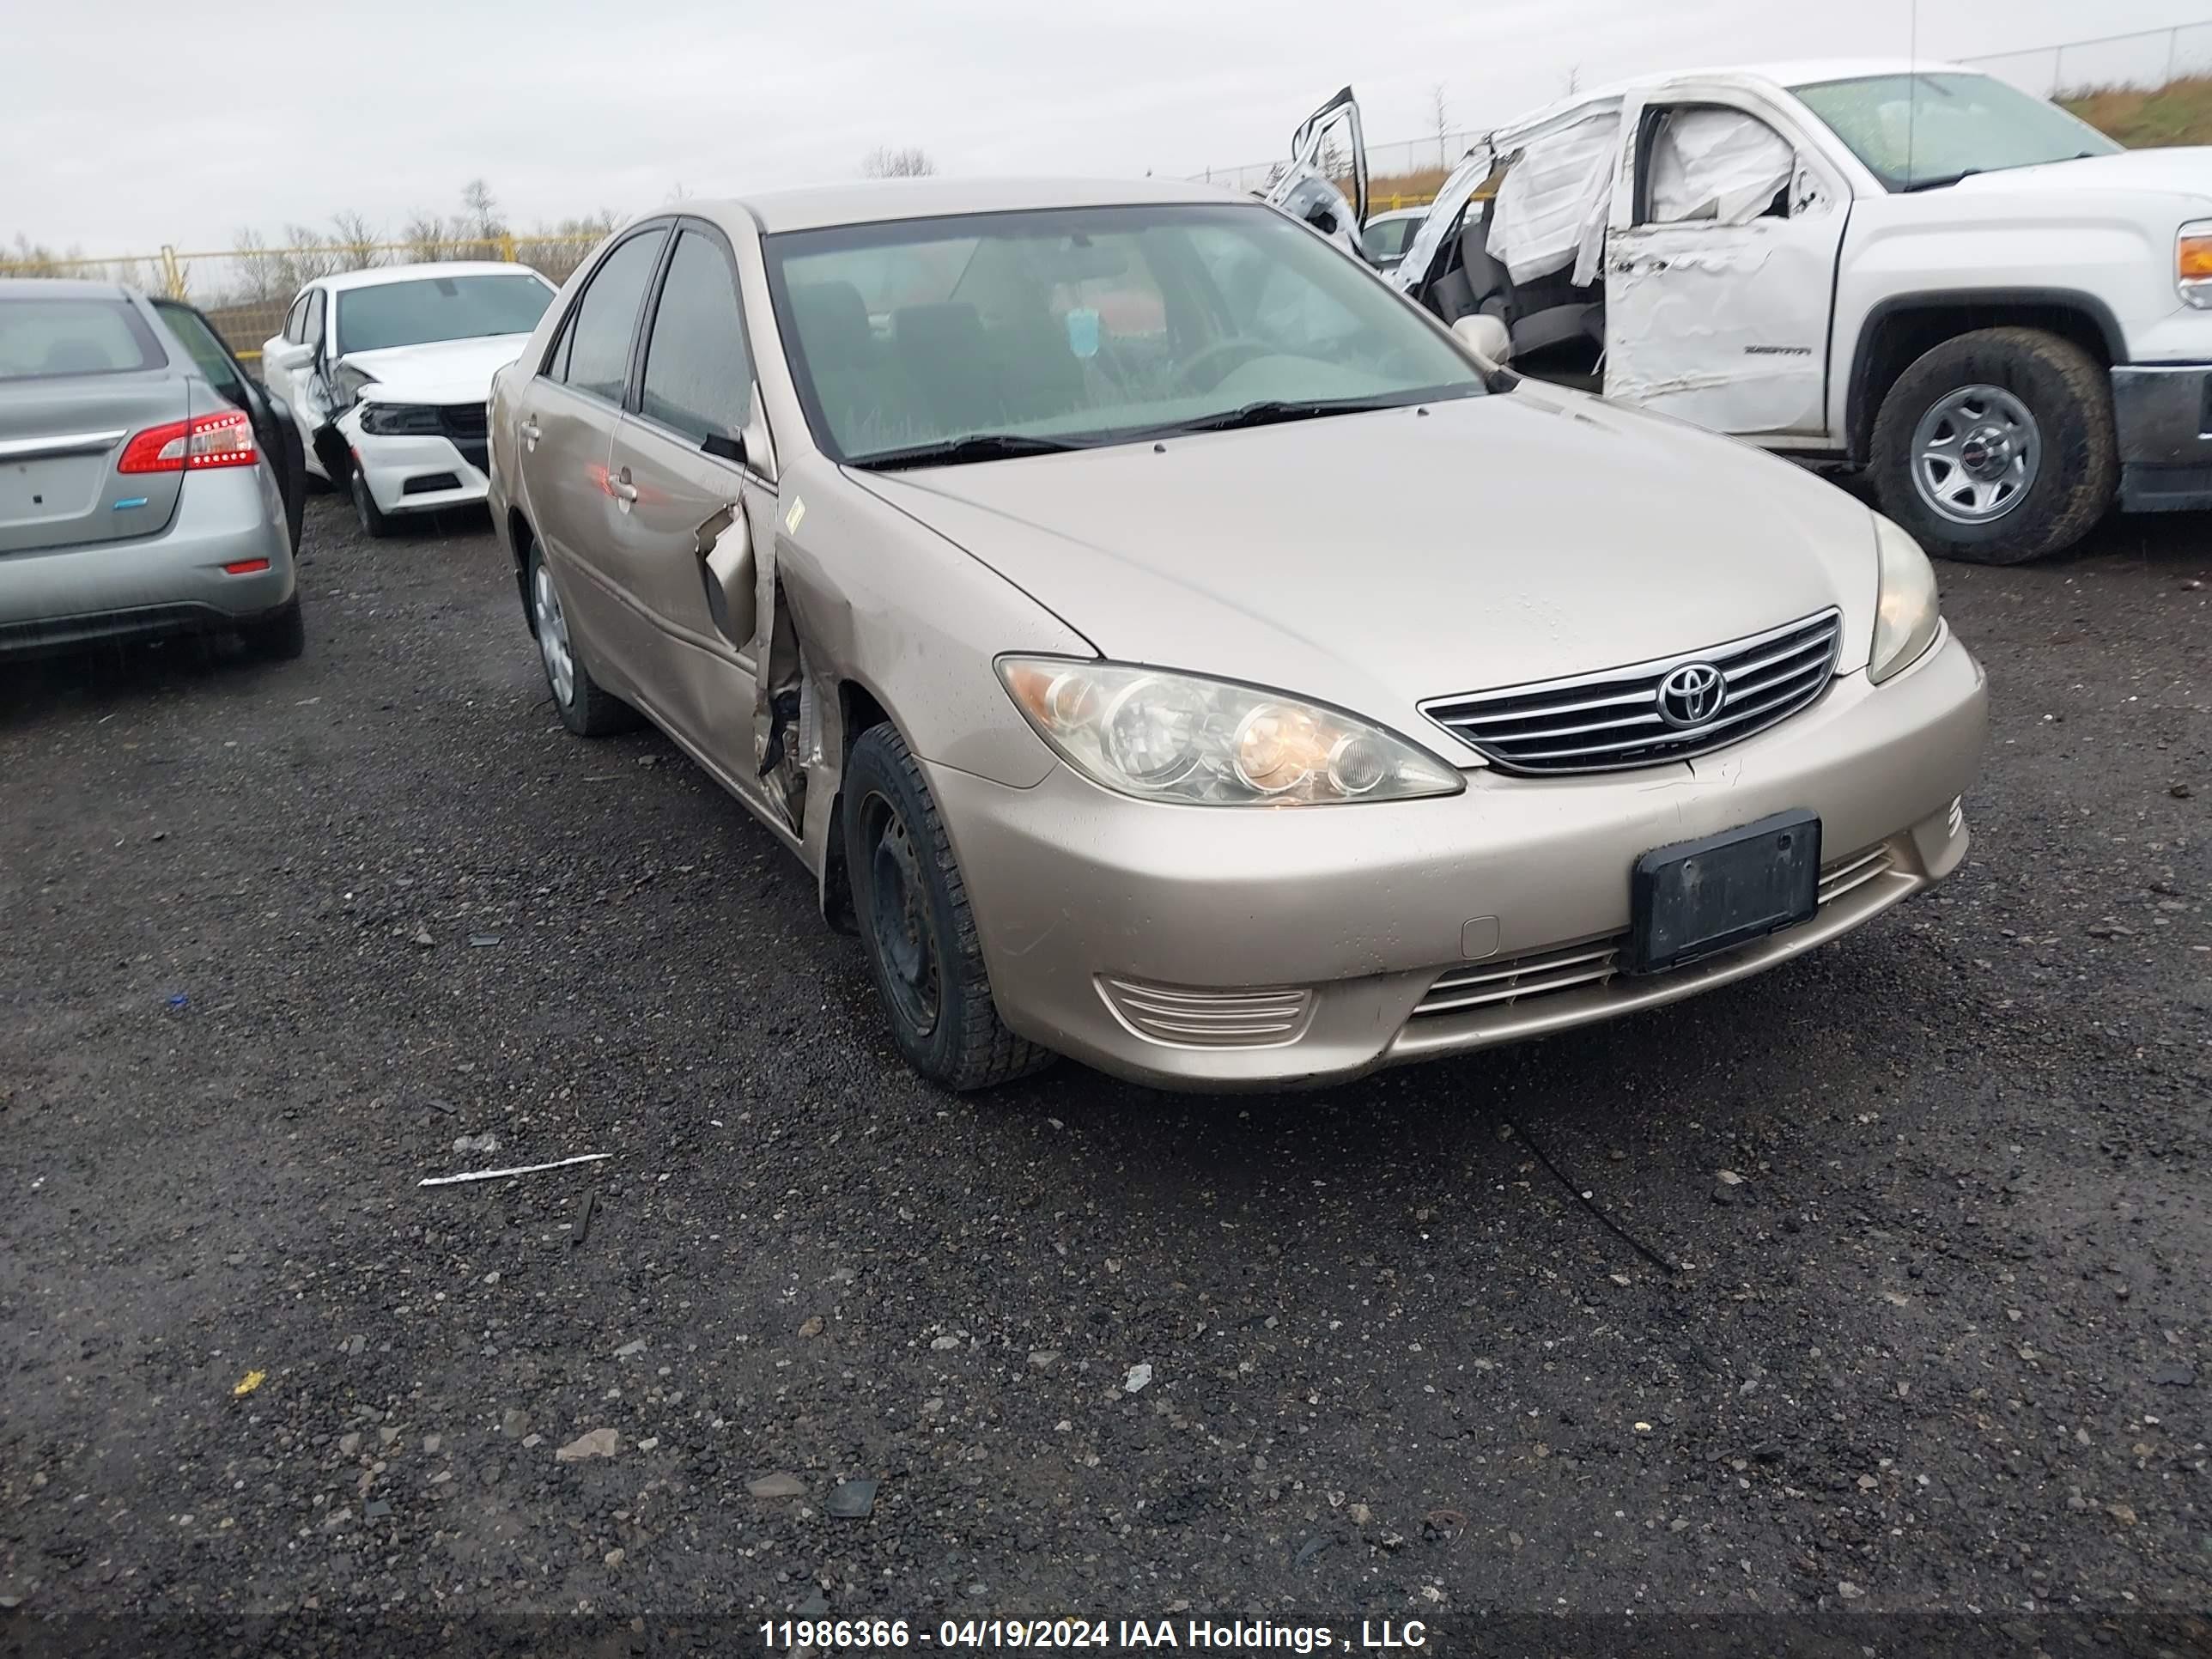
column 625, row 491
column 529, row 432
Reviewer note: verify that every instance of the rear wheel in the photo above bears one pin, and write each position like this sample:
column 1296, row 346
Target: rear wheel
column 915, row 922
column 586, row 708
column 1997, row 447
column 373, row 519
column 280, row 638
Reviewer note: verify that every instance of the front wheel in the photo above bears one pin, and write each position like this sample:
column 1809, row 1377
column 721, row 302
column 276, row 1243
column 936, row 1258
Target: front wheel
column 915, row 922
column 1997, row 447
column 372, row 518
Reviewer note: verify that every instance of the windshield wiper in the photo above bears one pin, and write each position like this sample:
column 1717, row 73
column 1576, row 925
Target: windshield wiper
column 1274, row 411
column 977, row 447
column 1942, row 180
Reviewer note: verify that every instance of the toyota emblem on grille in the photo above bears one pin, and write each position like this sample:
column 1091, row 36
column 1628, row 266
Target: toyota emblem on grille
column 1691, row 693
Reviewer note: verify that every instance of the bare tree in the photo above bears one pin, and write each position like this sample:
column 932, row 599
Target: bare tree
column 907, row 162
column 259, row 278
column 357, row 238
column 1440, row 114
column 482, row 212
column 29, row 258
column 306, row 255
column 1574, row 80
column 425, row 234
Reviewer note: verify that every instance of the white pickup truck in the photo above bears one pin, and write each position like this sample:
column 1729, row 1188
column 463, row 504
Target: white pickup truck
column 1917, row 271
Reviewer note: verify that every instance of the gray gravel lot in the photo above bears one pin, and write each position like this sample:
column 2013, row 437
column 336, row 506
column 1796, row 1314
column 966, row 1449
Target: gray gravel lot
column 275, row 937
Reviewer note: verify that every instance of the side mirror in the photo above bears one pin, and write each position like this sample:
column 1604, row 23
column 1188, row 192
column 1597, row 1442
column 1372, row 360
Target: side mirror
column 1487, row 338
column 724, row 546
column 287, row 357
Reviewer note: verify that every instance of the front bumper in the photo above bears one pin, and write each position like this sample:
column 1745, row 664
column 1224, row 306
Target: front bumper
column 2162, row 413
column 174, row 583
column 417, row 473
column 1311, row 944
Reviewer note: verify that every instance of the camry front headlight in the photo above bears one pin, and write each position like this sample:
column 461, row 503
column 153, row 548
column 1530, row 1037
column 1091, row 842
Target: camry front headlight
column 1905, row 616
column 1211, row 742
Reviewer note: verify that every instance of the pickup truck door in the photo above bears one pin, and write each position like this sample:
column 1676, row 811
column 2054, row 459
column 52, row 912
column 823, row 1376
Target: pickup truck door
column 1327, row 145
column 1720, row 270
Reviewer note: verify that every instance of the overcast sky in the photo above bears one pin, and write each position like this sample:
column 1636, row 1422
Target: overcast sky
column 129, row 125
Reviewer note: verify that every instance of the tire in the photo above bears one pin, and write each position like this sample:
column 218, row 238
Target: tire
column 916, row 926
column 1975, row 388
column 372, row 520
column 280, row 638
column 586, row 707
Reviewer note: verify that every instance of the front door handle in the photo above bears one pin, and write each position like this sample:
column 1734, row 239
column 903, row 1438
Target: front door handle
column 529, row 432
column 625, row 491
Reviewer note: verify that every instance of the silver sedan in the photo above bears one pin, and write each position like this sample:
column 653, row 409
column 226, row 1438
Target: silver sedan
column 147, row 486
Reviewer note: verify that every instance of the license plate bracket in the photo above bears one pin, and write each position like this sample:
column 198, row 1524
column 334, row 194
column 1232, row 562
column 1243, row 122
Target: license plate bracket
column 1698, row 897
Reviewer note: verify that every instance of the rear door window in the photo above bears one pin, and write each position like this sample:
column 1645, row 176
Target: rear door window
column 606, row 322
column 42, row 339
column 698, row 373
column 213, row 358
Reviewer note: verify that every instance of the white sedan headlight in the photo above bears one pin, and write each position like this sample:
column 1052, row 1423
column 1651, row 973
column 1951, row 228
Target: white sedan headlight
column 1211, row 742
column 1905, row 616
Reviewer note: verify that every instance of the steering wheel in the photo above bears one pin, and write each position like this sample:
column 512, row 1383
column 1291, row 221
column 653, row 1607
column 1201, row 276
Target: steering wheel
column 1241, row 347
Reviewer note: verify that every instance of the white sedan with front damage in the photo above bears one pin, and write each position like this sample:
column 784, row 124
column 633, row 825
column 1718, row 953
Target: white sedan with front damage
column 387, row 371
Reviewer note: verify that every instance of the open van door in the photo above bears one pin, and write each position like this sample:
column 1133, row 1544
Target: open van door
column 1329, row 142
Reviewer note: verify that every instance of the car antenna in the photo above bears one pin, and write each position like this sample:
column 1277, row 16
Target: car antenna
column 1912, row 87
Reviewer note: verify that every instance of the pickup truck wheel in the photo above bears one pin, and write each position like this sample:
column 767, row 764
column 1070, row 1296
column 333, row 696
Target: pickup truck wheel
column 586, row 707
column 915, row 923
column 1997, row 447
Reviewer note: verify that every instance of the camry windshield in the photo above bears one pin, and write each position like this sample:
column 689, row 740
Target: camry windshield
column 1920, row 131
column 1015, row 333
column 439, row 308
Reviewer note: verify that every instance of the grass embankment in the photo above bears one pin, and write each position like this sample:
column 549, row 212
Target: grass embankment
column 2179, row 112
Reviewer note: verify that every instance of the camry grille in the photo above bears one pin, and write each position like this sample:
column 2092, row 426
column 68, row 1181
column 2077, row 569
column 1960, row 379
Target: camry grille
column 1649, row 713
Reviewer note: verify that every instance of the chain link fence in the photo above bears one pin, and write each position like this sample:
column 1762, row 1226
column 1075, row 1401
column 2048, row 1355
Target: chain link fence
column 246, row 291
column 2147, row 57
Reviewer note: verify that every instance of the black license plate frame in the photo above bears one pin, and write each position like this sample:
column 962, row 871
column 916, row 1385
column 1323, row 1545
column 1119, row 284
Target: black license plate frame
column 1697, row 898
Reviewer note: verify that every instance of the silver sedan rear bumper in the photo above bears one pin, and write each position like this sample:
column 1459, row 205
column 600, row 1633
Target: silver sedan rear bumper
column 174, row 582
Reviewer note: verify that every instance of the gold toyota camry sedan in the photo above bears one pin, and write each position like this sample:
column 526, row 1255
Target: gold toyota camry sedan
column 1166, row 646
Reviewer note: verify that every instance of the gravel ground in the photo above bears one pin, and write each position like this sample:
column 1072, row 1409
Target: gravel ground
column 1935, row 1349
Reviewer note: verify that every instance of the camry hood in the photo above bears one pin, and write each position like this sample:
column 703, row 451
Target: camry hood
column 1376, row 559
column 2179, row 172
column 440, row 371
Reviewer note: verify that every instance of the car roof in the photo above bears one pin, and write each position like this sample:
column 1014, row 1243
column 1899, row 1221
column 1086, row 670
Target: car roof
column 378, row 276
column 877, row 200
column 1788, row 76
column 60, row 287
